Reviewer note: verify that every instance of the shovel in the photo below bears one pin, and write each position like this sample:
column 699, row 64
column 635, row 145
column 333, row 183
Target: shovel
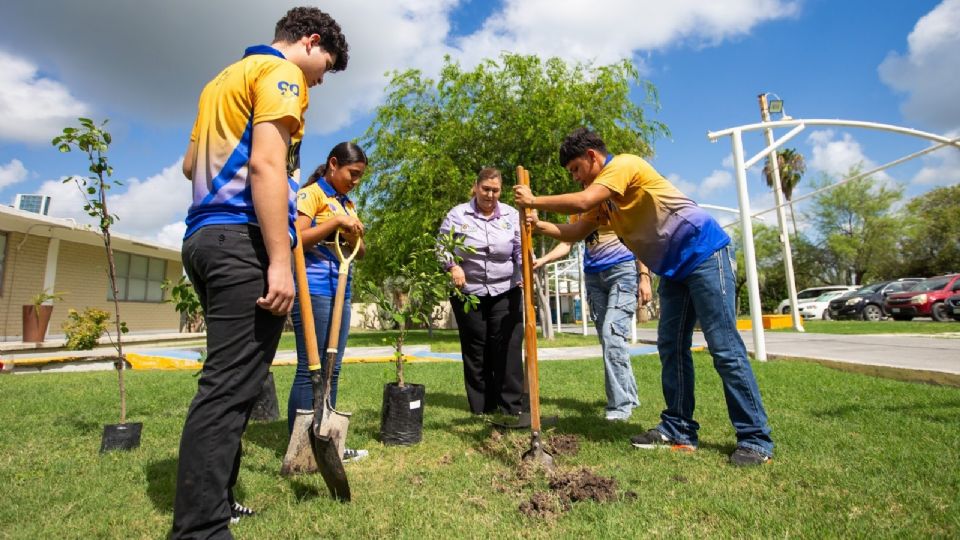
column 326, row 433
column 536, row 451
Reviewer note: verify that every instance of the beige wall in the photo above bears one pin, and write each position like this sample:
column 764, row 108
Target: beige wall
column 81, row 279
column 23, row 268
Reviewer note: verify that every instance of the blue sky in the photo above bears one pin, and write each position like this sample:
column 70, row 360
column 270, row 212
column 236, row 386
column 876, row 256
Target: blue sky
column 889, row 61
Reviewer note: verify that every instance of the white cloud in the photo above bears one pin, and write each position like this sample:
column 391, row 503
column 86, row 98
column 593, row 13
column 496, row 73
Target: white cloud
column 565, row 29
column 941, row 167
column 34, row 108
column 928, row 72
column 150, row 209
column 835, row 156
column 12, row 172
column 718, row 179
column 687, row 188
column 384, row 35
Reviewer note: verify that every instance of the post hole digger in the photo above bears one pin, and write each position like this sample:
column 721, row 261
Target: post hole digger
column 317, row 441
column 536, row 451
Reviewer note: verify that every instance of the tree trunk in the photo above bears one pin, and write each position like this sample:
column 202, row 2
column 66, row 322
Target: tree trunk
column 121, row 362
column 543, row 304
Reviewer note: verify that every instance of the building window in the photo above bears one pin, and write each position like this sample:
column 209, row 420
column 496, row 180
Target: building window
column 139, row 278
column 3, row 258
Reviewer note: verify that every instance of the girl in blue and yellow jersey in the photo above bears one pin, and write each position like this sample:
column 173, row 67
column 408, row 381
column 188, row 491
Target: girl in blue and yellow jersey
column 322, row 208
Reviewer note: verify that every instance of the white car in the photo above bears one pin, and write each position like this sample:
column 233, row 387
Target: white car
column 819, row 308
column 811, row 294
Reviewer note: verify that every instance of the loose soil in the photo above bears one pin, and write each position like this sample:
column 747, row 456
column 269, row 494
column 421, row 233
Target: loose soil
column 567, row 488
column 563, row 445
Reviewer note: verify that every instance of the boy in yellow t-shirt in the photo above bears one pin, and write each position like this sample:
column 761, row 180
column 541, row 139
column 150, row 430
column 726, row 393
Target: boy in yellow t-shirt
column 683, row 244
column 243, row 160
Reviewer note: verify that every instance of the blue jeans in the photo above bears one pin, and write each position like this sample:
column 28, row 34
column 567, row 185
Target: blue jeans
column 707, row 294
column 301, row 393
column 612, row 296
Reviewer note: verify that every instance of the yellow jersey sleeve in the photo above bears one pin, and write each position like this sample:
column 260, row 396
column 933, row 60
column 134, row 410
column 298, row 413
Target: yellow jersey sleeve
column 280, row 91
column 309, row 201
column 616, row 176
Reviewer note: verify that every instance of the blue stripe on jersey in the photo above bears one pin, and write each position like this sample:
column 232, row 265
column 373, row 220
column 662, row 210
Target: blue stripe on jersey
column 238, row 158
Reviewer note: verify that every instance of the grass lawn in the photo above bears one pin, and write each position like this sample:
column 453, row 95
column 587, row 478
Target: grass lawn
column 918, row 326
column 442, row 340
column 856, row 456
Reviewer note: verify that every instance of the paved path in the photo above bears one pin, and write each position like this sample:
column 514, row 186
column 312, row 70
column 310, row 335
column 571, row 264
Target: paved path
column 936, row 352
column 939, row 353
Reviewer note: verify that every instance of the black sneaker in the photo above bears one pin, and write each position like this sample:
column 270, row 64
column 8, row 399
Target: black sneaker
column 747, row 457
column 238, row 511
column 350, row 454
column 654, row 439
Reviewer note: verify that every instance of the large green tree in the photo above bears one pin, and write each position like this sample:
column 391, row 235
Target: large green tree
column 930, row 235
column 431, row 137
column 856, row 225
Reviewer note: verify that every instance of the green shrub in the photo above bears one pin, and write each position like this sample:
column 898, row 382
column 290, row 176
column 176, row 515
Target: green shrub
column 84, row 329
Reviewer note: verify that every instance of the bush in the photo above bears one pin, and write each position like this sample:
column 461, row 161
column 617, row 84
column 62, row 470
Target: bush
column 84, row 329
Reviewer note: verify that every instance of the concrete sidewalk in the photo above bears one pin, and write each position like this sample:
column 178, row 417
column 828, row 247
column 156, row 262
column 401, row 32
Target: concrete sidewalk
column 935, row 352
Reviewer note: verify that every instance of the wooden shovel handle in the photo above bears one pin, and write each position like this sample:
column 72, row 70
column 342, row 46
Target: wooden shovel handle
column 306, row 306
column 529, row 315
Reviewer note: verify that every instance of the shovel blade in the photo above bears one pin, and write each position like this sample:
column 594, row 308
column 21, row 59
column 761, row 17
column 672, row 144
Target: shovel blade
column 330, row 462
column 537, row 453
column 299, row 457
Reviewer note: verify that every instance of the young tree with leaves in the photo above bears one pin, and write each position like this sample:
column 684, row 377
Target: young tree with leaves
column 94, row 141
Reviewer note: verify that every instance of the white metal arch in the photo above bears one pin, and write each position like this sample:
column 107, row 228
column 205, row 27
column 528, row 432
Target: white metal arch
column 741, row 165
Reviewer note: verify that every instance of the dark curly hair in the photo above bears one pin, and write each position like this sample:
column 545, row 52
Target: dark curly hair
column 578, row 142
column 306, row 21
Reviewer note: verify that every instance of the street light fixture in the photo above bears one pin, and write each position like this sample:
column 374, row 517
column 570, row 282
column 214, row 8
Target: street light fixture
column 776, row 106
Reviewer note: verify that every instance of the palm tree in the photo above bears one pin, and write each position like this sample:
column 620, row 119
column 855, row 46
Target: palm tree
column 792, row 166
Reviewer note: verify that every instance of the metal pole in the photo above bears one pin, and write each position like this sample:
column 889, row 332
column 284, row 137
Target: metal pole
column 749, row 255
column 781, row 219
column 556, row 281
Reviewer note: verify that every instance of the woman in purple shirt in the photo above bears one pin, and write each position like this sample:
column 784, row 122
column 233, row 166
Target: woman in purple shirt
column 491, row 336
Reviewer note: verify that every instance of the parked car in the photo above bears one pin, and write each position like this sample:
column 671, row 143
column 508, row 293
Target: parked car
column 867, row 303
column 812, row 293
column 818, row 308
column 953, row 306
column 926, row 299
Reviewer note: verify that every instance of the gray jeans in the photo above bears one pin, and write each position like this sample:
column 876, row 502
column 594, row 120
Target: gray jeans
column 612, row 296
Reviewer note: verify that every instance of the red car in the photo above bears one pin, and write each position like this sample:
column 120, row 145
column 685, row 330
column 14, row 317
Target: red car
column 925, row 299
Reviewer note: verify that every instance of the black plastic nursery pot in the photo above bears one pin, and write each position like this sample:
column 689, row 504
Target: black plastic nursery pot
column 266, row 408
column 401, row 419
column 121, row 436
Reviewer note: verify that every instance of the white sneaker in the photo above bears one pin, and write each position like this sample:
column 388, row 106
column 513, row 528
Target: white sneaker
column 614, row 416
column 351, row 454
column 238, row 511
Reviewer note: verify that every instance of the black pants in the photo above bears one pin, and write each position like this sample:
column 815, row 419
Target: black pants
column 228, row 267
column 491, row 340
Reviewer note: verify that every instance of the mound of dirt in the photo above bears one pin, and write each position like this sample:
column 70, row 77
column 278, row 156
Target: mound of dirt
column 563, row 445
column 567, row 488
column 583, row 485
column 541, row 505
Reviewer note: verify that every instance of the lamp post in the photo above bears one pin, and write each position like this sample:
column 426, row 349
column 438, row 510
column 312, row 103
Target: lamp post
column 776, row 106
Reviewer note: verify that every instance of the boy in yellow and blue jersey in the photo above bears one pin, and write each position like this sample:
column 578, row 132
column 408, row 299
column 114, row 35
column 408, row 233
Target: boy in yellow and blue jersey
column 243, row 160
column 689, row 250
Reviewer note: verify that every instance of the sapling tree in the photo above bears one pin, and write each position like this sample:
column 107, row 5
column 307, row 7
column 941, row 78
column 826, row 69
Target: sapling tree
column 94, row 141
column 412, row 295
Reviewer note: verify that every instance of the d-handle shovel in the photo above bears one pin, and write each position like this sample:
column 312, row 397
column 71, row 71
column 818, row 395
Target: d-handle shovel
column 327, row 432
column 536, row 451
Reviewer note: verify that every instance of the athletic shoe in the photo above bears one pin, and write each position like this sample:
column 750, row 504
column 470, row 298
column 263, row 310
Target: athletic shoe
column 616, row 416
column 747, row 457
column 350, row 454
column 238, row 511
column 654, row 439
